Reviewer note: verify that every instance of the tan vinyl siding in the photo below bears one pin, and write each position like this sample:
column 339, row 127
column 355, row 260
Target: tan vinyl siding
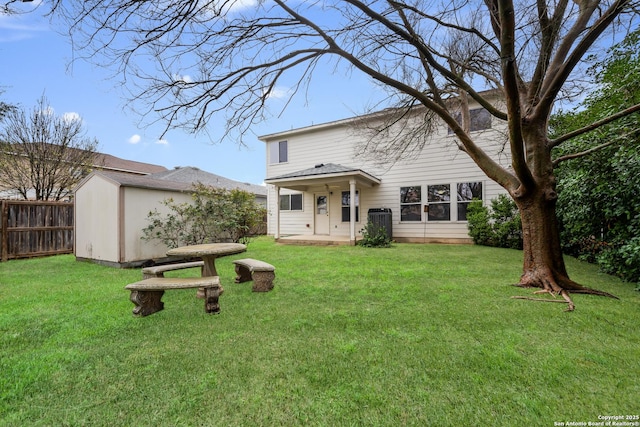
column 440, row 162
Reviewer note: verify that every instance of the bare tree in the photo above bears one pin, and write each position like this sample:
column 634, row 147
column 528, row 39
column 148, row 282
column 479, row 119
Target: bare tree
column 188, row 60
column 43, row 156
column 4, row 107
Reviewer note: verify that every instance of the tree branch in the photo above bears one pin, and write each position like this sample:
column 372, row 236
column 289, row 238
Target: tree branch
column 583, row 153
column 506, row 17
column 593, row 126
column 560, row 69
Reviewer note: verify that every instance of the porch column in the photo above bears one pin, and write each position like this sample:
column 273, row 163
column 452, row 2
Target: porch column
column 276, row 232
column 352, row 211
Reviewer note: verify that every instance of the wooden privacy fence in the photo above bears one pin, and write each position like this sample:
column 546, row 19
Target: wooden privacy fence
column 35, row 228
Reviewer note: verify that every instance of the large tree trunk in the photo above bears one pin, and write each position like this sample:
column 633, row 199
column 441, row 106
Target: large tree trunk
column 543, row 265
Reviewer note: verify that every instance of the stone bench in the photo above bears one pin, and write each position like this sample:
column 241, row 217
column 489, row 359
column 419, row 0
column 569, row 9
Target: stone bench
column 159, row 270
column 147, row 293
column 260, row 272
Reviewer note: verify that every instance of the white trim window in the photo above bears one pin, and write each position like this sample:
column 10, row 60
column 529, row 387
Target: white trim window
column 479, row 117
column 346, row 206
column 411, row 203
column 467, row 191
column 439, row 200
column 278, row 152
column 291, row 202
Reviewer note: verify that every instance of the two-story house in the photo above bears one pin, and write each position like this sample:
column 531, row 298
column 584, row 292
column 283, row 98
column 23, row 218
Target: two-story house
column 321, row 187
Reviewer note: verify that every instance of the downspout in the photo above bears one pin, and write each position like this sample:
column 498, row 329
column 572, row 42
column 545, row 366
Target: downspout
column 276, row 234
column 120, row 221
column 352, row 211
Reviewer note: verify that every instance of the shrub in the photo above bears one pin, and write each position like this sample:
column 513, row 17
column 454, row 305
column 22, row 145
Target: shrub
column 374, row 236
column 499, row 227
column 478, row 223
column 216, row 215
column 622, row 260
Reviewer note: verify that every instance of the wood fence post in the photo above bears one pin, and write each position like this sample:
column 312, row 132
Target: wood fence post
column 4, row 234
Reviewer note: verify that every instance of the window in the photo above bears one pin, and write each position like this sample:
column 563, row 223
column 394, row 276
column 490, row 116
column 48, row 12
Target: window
column 467, row 191
column 346, row 208
column 439, row 199
column 291, row 202
column 411, row 203
column 480, row 120
column 278, row 152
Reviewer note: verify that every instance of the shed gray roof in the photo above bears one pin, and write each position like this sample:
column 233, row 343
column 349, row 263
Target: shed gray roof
column 143, row 181
column 193, row 175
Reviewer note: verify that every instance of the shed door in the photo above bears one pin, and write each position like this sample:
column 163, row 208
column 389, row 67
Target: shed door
column 322, row 214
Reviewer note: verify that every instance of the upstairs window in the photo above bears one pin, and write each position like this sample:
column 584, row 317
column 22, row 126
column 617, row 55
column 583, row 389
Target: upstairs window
column 480, row 120
column 291, row 202
column 411, row 203
column 439, row 199
column 278, row 152
column 467, row 191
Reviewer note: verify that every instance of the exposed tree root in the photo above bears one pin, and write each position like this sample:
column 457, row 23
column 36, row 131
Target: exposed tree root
column 554, row 285
column 566, row 300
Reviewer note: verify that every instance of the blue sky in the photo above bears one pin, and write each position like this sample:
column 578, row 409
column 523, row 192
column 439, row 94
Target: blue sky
column 36, row 60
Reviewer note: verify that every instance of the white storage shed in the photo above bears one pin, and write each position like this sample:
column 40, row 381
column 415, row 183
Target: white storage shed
column 111, row 211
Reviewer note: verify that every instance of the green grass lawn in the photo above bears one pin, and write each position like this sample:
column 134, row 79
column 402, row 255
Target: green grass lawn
column 421, row 335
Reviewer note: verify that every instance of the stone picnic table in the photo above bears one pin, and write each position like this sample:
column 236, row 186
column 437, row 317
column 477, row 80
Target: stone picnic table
column 208, row 252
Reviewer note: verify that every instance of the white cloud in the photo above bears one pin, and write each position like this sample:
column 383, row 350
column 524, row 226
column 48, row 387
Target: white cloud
column 49, row 111
column 21, row 26
column 242, row 4
column 278, row 92
column 134, row 139
column 71, row 117
column 162, row 142
column 223, row 7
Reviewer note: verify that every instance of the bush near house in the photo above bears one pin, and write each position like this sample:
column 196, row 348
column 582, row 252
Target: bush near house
column 374, row 236
column 499, row 227
column 216, row 215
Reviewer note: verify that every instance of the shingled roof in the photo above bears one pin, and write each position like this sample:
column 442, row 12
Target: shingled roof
column 322, row 173
column 319, row 169
column 194, row 175
column 143, row 181
column 112, row 163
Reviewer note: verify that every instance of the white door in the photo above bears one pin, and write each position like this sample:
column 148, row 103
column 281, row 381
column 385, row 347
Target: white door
column 322, row 214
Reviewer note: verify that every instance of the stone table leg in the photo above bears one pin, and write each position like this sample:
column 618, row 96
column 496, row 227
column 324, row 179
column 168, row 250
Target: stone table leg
column 208, row 270
column 211, row 295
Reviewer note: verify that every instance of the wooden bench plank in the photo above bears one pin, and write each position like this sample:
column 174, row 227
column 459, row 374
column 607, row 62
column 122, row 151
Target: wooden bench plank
column 147, row 294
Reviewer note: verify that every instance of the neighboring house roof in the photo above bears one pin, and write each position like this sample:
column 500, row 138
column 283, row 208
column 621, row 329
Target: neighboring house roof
column 140, row 181
column 108, row 162
column 113, row 163
column 324, row 173
column 193, row 175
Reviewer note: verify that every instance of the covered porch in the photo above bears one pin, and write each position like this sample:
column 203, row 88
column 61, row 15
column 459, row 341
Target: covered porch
column 325, row 184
